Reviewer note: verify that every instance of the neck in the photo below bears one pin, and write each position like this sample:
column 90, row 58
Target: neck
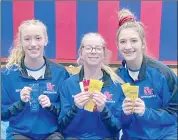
column 34, row 63
column 93, row 73
column 136, row 64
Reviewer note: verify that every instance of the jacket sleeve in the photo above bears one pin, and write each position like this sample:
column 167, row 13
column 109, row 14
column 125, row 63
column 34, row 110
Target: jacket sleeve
column 55, row 107
column 169, row 95
column 68, row 109
column 9, row 108
column 112, row 117
column 125, row 119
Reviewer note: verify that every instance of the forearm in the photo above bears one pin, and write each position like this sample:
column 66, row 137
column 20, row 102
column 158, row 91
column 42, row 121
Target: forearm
column 54, row 109
column 64, row 120
column 110, row 121
column 13, row 110
column 159, row 116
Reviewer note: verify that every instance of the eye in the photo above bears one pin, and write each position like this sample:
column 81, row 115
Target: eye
column 122, row 41
column 99, row 48
column 87, row 47
column 26, row 39
column 38, row 38
column 133, row 40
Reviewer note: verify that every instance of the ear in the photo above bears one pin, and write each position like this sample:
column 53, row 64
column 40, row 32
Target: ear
column 143, row 45
column 117, row 44
column 46, row 42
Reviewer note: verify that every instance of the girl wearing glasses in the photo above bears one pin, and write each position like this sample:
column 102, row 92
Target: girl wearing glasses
column 154, row 115
column 103, row 122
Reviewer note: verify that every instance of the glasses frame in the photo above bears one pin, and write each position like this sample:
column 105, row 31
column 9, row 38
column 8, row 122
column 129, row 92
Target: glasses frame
column 95, row 48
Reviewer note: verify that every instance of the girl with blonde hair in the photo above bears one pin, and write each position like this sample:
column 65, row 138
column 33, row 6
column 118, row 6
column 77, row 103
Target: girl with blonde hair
column 31, row 86
column 104, row 121
column 153, row 115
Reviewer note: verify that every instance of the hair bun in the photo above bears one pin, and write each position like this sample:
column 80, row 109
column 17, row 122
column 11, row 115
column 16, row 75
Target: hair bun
column 125, row 15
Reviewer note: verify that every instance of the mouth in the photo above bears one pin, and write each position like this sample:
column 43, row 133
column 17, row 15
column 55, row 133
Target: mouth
column 93, row 57
column 34, row 51
column 129, row 53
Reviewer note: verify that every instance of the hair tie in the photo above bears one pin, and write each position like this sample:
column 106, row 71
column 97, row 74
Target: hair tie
column 125, row 19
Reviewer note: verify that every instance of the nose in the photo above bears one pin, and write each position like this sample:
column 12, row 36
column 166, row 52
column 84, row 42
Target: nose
column 93, row 49
column 33, row 43
column 128, row 45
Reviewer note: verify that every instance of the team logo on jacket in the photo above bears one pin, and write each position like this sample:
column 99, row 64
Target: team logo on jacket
column 108, row 97
column 148, row 93
column 49, row 89
column 49, row 86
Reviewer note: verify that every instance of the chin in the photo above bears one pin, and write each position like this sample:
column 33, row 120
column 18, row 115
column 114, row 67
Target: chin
column 94, row 63
column 34, row 56
column 129, row 58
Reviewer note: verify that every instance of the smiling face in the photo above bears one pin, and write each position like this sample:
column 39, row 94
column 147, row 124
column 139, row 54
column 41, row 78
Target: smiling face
column 130, row 45
column 33, row 40
column 92, row 50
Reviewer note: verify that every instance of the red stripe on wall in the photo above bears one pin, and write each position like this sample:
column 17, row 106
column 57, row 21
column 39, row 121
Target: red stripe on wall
column 108, row 24
column 151, row 18
column 22, row 10
column 66, row 30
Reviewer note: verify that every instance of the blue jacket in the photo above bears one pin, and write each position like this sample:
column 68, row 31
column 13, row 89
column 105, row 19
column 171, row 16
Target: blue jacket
column 36, row 125
column 158, row 89
column 79, row 123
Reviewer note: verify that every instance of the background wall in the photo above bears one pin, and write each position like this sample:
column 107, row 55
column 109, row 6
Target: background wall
column 67, row 21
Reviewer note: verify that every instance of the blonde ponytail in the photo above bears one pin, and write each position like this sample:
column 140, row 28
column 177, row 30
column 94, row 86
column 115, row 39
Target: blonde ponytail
column 115, row 78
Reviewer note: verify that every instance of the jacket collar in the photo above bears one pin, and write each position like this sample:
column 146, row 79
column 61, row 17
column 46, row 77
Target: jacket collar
column 47, row 75
column 142, row 72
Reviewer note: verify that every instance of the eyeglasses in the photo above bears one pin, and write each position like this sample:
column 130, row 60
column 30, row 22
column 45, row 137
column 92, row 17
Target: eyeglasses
column 89, row 49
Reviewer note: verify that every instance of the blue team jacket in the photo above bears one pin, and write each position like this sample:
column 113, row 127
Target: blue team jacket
column 36, row 125
column 82, row 124
column 158, row 89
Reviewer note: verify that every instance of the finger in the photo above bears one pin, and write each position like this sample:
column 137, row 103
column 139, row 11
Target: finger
column 99, row 100
column 28, row 88
column 138, row 100
column 81, row 97
column 127, row 99
column 138, row 108
column 128, row 109
column 83, row 103
column 81, row 94
column 43, row 97
column 45, row 102
column 79, row 100
column 96, row 102
column 99, row 94
column 24, row 91
column 128, row 112
column 128, row 104
column 45, row 105
column 138, row 104
column 26, row 98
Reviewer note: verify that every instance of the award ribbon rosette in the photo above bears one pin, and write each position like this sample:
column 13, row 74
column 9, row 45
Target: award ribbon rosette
column 130, row 91
column 91, row 86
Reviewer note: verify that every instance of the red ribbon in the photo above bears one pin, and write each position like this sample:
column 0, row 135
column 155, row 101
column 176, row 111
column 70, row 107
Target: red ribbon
column 125, row 19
